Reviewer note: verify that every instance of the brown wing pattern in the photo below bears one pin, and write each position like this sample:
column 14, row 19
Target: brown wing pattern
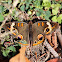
column 23, row 29
column 38, row 32
column 40, row 29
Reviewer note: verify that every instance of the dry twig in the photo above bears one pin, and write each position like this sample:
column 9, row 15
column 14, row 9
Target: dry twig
column 6, row 33
column 50, row 49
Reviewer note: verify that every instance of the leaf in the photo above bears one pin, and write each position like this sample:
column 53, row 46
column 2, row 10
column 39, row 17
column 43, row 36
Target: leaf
column 5, row 52
column 31, row 7
column 36, row 9
column 12, row 48
column 61, row 6
column 45, row 1
column 58, row 5
column 55, row 8
column 46, row 4
column 41, row 11
column 29, row 1
column 59, row 18
column 1, row 8
column 47, row 15
column 22, row 8
column 55, row 5
column 27, row 6
column 42, row 15
column 55, row 11
column 59, row 21
column 38, row 13
column 1, row 17
column 54, row 18
column 38, row 3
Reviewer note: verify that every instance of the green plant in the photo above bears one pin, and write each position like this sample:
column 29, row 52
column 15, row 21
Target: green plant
column 41, row 8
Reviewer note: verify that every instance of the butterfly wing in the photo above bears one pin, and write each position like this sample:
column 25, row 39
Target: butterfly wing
column 40, row 29
column 23, row 29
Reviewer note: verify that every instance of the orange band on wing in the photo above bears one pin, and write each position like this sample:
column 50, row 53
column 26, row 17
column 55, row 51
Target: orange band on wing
column 13, row 33
column 22, row 24
column 38, row 42
column 38, row 24
column 33, row 44
column 8, row 28
column 42, row 23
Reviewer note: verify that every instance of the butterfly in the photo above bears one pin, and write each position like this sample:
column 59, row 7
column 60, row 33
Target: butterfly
column 33, row 33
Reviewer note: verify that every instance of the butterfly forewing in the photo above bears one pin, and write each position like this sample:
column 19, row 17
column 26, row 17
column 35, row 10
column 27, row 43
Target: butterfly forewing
column 23, row 29
column 38, row 28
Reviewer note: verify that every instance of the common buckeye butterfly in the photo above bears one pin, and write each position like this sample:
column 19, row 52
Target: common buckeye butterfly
column 33, row 33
